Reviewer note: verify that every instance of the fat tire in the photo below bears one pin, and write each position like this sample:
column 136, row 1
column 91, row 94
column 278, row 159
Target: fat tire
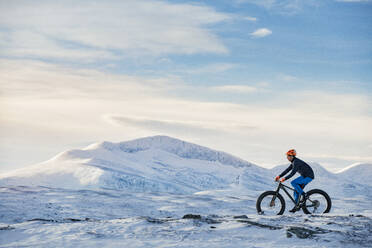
column 266, row 193
column 326, row 196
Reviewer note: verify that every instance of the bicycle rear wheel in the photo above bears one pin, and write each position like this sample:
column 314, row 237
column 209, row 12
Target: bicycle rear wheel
column 270, row 203
column 317, row 202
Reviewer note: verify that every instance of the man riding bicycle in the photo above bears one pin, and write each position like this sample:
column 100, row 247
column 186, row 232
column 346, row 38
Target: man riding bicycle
column 307, row 175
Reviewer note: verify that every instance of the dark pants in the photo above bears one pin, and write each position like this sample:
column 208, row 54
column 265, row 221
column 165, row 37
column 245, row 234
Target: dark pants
column 296, row 185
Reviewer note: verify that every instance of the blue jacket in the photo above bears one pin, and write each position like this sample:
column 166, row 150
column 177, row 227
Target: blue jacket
column 300, row 166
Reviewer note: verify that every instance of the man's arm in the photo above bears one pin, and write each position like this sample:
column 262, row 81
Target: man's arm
column 286, row 170
column 294, row 170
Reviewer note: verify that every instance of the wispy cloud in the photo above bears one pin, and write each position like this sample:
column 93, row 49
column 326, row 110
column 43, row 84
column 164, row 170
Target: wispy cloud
column 72, row 101
column 235, row 88
column 262, row 32
column 249, row 18
column 287, row 78
column 107, row 29
column 49, row 102
column 264, row 3
column 176, row 127
column 163, row 126
column 211, row 68
column 285, row 7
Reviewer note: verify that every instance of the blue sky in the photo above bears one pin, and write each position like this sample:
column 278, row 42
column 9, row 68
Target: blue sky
column 252, row 78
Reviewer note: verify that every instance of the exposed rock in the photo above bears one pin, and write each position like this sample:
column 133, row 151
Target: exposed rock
column 241, row 217
column 3, row 228
column 192, row 216
column 254, row 223
column 304, row 233
column 158, row 221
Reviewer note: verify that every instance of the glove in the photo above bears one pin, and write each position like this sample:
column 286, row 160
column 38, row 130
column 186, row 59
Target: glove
column 282, row 180
column 277, row 178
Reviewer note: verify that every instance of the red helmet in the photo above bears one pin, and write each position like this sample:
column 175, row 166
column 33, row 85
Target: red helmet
column 292, row 152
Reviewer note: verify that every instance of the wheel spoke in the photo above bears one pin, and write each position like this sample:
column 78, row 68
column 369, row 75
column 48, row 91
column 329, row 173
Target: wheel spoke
column 318, row 203
column 270, row 205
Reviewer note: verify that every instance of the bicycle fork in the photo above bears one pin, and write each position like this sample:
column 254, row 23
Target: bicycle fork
column 272, row 202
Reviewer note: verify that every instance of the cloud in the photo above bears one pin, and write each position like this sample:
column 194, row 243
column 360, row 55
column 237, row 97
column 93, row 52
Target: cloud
column 27, row 79
column 262, row 32
column 287, row 78
column 163, row 126
column 285, row 7
column 249, row 18
column 264, row 3
column 42, row 103
column 235, row 88
column 107, row 29
column 211, row 68
column 176, row 127
column 39, row 46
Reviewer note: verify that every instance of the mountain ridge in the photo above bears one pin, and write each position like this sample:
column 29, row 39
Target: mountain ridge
column 156, row 163
column 179, row 147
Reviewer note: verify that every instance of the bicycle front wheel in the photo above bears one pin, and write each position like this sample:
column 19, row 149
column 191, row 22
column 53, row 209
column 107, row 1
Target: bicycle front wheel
column 270, row 203
column 317, row 202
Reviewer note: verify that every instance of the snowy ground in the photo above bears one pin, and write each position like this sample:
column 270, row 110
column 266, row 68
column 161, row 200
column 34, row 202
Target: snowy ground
column 46, row 217
column 164, row 192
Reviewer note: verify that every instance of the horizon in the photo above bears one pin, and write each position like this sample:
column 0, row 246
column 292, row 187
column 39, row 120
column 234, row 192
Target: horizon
column 250, row 78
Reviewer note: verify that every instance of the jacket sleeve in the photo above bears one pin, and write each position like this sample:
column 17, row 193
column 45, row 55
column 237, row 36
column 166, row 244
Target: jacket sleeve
column 294, row 170
column 286, row 170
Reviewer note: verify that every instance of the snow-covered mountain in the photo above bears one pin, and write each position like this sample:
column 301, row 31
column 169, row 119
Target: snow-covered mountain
column 359, row 173
column 159, row 163
column 165, row 164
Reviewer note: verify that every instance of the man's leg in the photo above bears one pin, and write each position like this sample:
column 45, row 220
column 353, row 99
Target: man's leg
column 297, row 189
column 305, row 181
column 296, row 184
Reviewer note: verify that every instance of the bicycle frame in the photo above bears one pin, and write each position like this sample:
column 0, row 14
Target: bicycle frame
column 283, row 187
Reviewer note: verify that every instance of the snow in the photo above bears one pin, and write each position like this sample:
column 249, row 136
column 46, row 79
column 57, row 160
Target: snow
column 157, row 163
column 359, row 173
column 164, row 192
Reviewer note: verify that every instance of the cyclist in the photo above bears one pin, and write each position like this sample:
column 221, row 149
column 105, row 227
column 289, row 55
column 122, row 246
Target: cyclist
column 307, row 175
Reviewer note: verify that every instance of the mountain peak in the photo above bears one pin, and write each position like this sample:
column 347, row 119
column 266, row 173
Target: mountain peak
column 157, row 163
column 175, row 146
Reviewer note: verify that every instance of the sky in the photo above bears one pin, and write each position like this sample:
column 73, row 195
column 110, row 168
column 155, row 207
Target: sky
column 253, row 78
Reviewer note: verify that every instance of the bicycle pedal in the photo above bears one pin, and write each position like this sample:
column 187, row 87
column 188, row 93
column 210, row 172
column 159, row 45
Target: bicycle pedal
column 293, row 210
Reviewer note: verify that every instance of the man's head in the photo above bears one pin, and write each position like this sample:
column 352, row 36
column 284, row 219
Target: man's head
column 291, row 154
